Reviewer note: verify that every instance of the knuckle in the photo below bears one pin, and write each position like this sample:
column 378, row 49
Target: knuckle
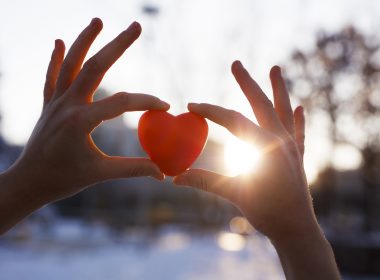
column 92, row 65
column 74, row 117
column 201, row 183
column 58, row 104
column 136, row 171
column 204, row 184
column 236, row 117
column 119, row 40
column 267, row 102
column 238, row 121
column 84, row 35
column 122, row 97
column 279, row 144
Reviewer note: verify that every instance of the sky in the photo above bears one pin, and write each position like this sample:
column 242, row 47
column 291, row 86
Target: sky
column 183, row 55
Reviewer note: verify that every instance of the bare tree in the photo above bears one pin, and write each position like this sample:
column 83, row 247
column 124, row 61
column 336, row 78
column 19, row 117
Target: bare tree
column 339, row 80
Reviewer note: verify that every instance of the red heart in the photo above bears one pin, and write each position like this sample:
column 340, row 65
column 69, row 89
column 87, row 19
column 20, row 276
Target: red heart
column 172, row 142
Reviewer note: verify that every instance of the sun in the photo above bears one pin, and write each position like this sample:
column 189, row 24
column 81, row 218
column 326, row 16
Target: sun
column 239, row 157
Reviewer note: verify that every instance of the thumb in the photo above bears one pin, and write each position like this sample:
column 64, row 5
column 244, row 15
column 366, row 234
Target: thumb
column 123, row 167
column 207, row 181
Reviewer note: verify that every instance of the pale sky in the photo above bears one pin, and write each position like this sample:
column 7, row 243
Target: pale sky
column 184, row 53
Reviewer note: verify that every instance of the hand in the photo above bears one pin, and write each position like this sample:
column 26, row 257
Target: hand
column 60, row 158
column 275, row 198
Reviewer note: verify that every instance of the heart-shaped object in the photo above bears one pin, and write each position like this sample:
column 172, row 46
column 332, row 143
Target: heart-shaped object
column 172, row 142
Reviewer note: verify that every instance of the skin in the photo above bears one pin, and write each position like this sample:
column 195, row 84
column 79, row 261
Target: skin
column 275, row 198
column 60, row 158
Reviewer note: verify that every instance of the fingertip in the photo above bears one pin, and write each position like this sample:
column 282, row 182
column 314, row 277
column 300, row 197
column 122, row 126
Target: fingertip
column 59, row 49
column 135, row 27
column 58, row 43
column 276, row 68
column 159, row 176
column 299, row 110
column 96, row 22
column 236, row 65
column 275, row 71
column 192, row 106
column 164, row 105
column 158, row 104
column 155, row 172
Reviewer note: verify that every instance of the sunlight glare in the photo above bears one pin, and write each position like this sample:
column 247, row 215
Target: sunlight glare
column 239, row 156
column 231, row 241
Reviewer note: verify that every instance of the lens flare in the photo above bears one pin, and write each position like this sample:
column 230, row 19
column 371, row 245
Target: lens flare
column 239, row 156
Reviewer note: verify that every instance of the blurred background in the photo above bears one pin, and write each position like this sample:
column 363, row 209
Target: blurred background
column 145, row 229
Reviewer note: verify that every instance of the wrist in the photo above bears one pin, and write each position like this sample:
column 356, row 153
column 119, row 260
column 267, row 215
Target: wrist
column 304, row 230
column 18, row 197
column 306, row 240
column 306, row 254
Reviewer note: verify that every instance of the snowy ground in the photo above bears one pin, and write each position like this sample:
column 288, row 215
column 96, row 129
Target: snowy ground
column 71, row 251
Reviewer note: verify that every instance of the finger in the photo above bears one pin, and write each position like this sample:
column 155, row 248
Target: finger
column 261, row 105
column 235, row 122
column 206, row 181
column 53, row 70
column 121, row 102
column 76, row 55
column 281, row 100
column 94, row 69
column 299, row 122
column 122, row 167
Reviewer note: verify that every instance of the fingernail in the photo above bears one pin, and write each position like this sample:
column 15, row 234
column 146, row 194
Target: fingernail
column 56, row 43
column 238, row 63
column 96, row 23
column 192, row 105
column 165, row 104
column 134, row 26
column 159, row 176
column 93, row 21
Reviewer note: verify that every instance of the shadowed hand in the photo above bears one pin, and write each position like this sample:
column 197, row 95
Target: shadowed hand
column 60, row 158
column 275, row 197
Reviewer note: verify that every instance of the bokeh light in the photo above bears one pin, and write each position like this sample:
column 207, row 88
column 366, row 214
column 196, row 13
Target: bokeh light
column 240, row 225
column 231, row 241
